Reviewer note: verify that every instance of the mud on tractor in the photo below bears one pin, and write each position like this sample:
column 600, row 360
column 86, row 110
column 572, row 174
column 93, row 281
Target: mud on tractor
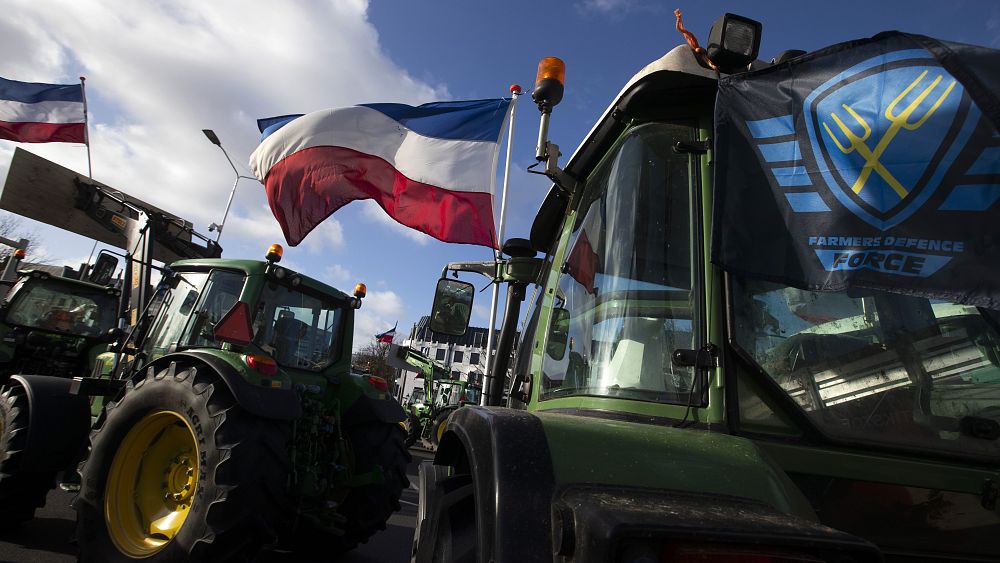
column 664, row 409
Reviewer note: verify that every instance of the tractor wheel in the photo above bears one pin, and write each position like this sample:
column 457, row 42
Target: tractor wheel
column 366, row 508
column 20, row 493
column 413, row 429
column 449, row 533
column 178, row 471
column 438, row 427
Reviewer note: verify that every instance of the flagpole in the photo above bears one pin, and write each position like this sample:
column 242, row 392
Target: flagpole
column 515, row 90
column 86, row 126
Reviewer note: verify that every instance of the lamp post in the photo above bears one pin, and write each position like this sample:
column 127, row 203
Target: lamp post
column 215, row 141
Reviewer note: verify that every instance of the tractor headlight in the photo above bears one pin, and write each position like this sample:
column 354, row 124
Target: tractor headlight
column 733, row 42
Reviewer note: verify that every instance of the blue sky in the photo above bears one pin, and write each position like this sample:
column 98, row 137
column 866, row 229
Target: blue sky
column 159, row 72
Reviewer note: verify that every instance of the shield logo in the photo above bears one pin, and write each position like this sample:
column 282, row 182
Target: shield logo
column 882, row 134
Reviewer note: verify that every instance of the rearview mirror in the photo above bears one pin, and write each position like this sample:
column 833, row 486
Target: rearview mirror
column 103, row 269
column 452, row 307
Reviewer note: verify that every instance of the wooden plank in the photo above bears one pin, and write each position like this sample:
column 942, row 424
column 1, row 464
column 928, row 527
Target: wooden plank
column 45, row 191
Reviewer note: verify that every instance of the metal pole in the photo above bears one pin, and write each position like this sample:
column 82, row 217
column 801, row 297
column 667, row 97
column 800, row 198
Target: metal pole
column 214, row 139
column 86, row 126
column 495, row 294
column 232, row 194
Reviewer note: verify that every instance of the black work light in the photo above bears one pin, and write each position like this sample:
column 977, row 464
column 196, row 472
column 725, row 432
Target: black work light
column 733, row 42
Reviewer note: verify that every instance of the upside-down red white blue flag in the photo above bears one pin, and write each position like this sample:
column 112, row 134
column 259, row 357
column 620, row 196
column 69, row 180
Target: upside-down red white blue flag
column 42, row 113
column 430, row 167
column 387, row 336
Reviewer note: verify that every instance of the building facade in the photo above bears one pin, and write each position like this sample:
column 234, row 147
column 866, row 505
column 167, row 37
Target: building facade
column 464, row 357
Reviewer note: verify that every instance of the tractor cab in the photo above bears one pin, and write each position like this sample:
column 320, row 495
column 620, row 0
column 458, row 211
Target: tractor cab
column 53, row 325
column 267, row 314
column 710, row 367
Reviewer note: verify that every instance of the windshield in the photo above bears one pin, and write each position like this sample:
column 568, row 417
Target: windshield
column 624, row 301
column 416, row 396
column 55, row 305
column 876, row 367
column 297, row 329
column 472, row 395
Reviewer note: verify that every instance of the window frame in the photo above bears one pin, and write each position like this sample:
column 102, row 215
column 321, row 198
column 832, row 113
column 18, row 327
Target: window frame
column 696, row 396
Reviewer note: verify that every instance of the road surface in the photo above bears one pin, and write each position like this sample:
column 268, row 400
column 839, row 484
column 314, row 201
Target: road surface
column 48, row 538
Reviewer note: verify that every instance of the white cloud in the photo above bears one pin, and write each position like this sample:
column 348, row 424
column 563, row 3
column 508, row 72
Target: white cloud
column 384, row 304
column 328, row 235
column 158, row 73
column 380, row 311
column 256, row 227
column 337, row 274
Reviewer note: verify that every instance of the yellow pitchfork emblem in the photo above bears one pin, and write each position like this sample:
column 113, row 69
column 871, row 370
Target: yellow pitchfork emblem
column 897, row 121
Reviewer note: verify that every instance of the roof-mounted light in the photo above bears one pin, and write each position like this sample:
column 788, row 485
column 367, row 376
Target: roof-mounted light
column 549, row 83
column 360, row 290
column 19, row 254
column 274, row 253
column 733, row 42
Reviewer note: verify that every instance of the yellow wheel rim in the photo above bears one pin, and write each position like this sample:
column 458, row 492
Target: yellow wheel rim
column 151, row 485
column 441, row 428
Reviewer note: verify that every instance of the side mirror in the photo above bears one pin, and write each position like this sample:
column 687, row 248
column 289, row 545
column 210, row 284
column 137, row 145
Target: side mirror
column 558, row 334
column 452, row 307
column 103, row 269
column 112, row 334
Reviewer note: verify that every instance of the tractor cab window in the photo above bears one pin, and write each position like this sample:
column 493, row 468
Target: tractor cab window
column 878, row 368
column 625, row 299
column 450, row 393
column 416, row 396
column 472, row 395
column 298, row 330
column 54, row 305
column 175, row 312
column 218, row 297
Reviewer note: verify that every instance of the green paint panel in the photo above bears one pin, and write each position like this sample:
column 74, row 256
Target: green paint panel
column 881, row 468
column 593, row 450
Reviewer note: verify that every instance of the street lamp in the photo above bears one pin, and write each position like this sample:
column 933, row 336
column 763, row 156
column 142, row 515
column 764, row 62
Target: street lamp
column 215, row 141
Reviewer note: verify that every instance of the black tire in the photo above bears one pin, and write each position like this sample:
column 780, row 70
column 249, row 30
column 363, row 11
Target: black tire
column 242, row 466
column 366, row 509
column 413, row 430
column 20, row 492
column 446, row 530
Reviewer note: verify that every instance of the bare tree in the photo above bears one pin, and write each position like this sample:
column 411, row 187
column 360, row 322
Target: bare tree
column 15, row 227
column 371, row 358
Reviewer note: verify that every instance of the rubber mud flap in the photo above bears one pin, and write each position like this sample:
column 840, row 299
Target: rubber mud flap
column 58, row 422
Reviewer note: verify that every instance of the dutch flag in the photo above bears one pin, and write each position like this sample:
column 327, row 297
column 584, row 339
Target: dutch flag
column 42, row 113
column 430, row 167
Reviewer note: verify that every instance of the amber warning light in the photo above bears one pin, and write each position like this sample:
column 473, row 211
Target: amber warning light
column 274, row 253
column 19, row 254
column 549, row 83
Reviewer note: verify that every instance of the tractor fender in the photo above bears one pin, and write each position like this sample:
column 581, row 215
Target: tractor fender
column 58, row 423
column 366, row 409
column 511, row 465
column 265, row 402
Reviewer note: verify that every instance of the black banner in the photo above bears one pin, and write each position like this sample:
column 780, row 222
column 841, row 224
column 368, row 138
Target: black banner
column 870, row 164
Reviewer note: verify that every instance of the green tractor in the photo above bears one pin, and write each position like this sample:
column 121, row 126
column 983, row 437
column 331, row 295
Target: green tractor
column 428, row 408
column 52, row 326
column 229, row 421
column 664, row 409
column 449, row 395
